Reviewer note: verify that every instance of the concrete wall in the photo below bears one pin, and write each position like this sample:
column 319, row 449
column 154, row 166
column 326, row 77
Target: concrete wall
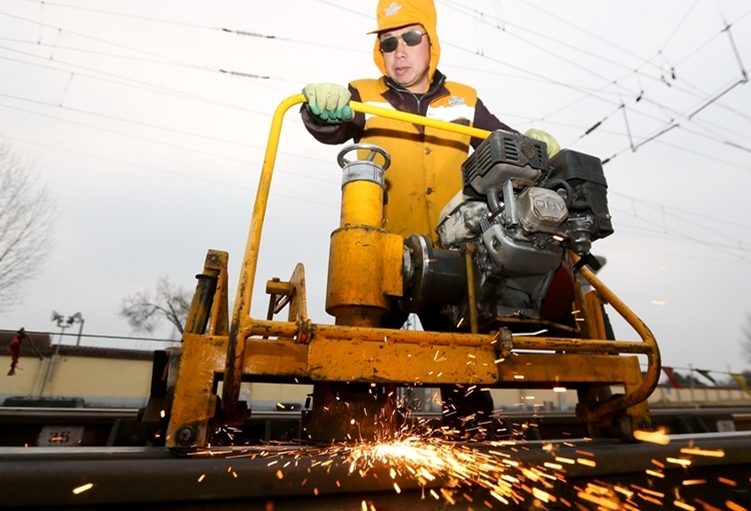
column 22, row 383
column 110, row 381
column 668, row 396
column 100, row 381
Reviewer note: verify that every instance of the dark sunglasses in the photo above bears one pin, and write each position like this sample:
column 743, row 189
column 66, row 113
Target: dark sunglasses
column 411, row 38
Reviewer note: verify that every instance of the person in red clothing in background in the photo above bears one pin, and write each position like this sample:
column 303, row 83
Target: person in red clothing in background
column 15, row 350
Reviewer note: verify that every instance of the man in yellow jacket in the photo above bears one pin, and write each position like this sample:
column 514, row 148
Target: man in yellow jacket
column 425, row 173
column 426, row 162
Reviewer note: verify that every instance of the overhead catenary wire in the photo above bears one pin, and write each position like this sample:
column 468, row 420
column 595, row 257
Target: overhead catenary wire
column 165, row 171
column 484, row 20
column 615, row 82
column 688, row 255
column 164, row 128
column 226, row 30
column 669, row 125
column 240, row 73
column 11, row 50
column 597, row 124
column 124, row 80
column 678, row 211
column 725, row 249
column 340, row 7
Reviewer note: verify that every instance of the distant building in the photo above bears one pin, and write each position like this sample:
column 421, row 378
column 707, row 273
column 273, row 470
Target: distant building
column 100, row 377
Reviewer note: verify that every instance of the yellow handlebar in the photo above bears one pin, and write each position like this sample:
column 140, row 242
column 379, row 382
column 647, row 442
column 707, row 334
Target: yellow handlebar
column 418, row 119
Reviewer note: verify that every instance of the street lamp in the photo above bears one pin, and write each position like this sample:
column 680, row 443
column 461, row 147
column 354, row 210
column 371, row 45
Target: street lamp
column 64, row 323
column 49, row 370
column 61, row 323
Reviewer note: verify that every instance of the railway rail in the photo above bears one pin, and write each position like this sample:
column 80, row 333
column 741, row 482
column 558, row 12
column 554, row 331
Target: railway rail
column 692, row 469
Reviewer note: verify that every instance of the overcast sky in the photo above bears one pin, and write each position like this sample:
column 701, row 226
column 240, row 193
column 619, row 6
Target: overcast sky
column 148, row 119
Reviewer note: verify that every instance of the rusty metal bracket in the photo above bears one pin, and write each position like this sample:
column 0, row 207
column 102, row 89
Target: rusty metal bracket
column 503, row 342
column 595, row 412
column 290, row 293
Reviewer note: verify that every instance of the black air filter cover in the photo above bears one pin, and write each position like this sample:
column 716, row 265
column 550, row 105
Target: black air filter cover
column 585, row 175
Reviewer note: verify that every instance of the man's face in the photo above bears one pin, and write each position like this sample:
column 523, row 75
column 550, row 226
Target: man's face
column 408, row 65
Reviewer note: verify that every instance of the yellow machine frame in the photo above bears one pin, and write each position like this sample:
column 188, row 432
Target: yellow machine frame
column 219, row 347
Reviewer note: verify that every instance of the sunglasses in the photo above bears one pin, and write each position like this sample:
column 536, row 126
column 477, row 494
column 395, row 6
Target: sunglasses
column 411, row 38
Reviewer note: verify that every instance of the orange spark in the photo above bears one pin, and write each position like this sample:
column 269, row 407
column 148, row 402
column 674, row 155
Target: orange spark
column 719, row 453
column 565, row 460
column 692, row 482
column 649, row 499
column 83, row 488
column 654, row 437
column 606, row 503
column 683, row 505
column 679, row 461
column 729, row 482
column 734, row 507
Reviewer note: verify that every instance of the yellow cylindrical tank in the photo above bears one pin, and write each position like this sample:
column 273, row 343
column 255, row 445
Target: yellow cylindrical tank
column 365, row 262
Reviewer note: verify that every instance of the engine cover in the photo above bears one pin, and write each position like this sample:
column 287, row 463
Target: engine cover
column 519, row 258
column 541, row 210
column 461, row 221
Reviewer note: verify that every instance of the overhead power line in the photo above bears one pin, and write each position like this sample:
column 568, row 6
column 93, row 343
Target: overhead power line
column 169, row 172
column 166, row 144
column 705, row 100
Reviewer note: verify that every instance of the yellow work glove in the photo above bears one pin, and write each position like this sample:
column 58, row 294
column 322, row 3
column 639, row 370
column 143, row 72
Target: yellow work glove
column 543, row 136
column 329, row 102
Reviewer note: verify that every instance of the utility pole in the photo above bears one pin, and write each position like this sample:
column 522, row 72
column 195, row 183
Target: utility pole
column 77, row 318
column 63, row 323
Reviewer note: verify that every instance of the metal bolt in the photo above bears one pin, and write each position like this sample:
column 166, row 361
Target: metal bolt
column 185, row 435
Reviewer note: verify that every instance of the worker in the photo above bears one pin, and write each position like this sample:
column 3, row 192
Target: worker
column 15, row 350
column 426, row 162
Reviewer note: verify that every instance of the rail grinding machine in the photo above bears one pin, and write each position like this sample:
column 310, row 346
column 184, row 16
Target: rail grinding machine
column 511, row 276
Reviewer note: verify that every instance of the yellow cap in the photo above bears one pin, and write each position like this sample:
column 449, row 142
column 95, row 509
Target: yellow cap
column 393, row 14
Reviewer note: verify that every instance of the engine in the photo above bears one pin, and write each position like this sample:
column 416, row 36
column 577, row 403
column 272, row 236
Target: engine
column 517, row 215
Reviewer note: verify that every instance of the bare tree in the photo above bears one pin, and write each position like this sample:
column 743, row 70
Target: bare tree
column 146, row 310
column 746, row 340
column 27, row 222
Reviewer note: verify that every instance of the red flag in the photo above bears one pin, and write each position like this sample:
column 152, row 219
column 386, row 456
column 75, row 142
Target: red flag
column 669, row 373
